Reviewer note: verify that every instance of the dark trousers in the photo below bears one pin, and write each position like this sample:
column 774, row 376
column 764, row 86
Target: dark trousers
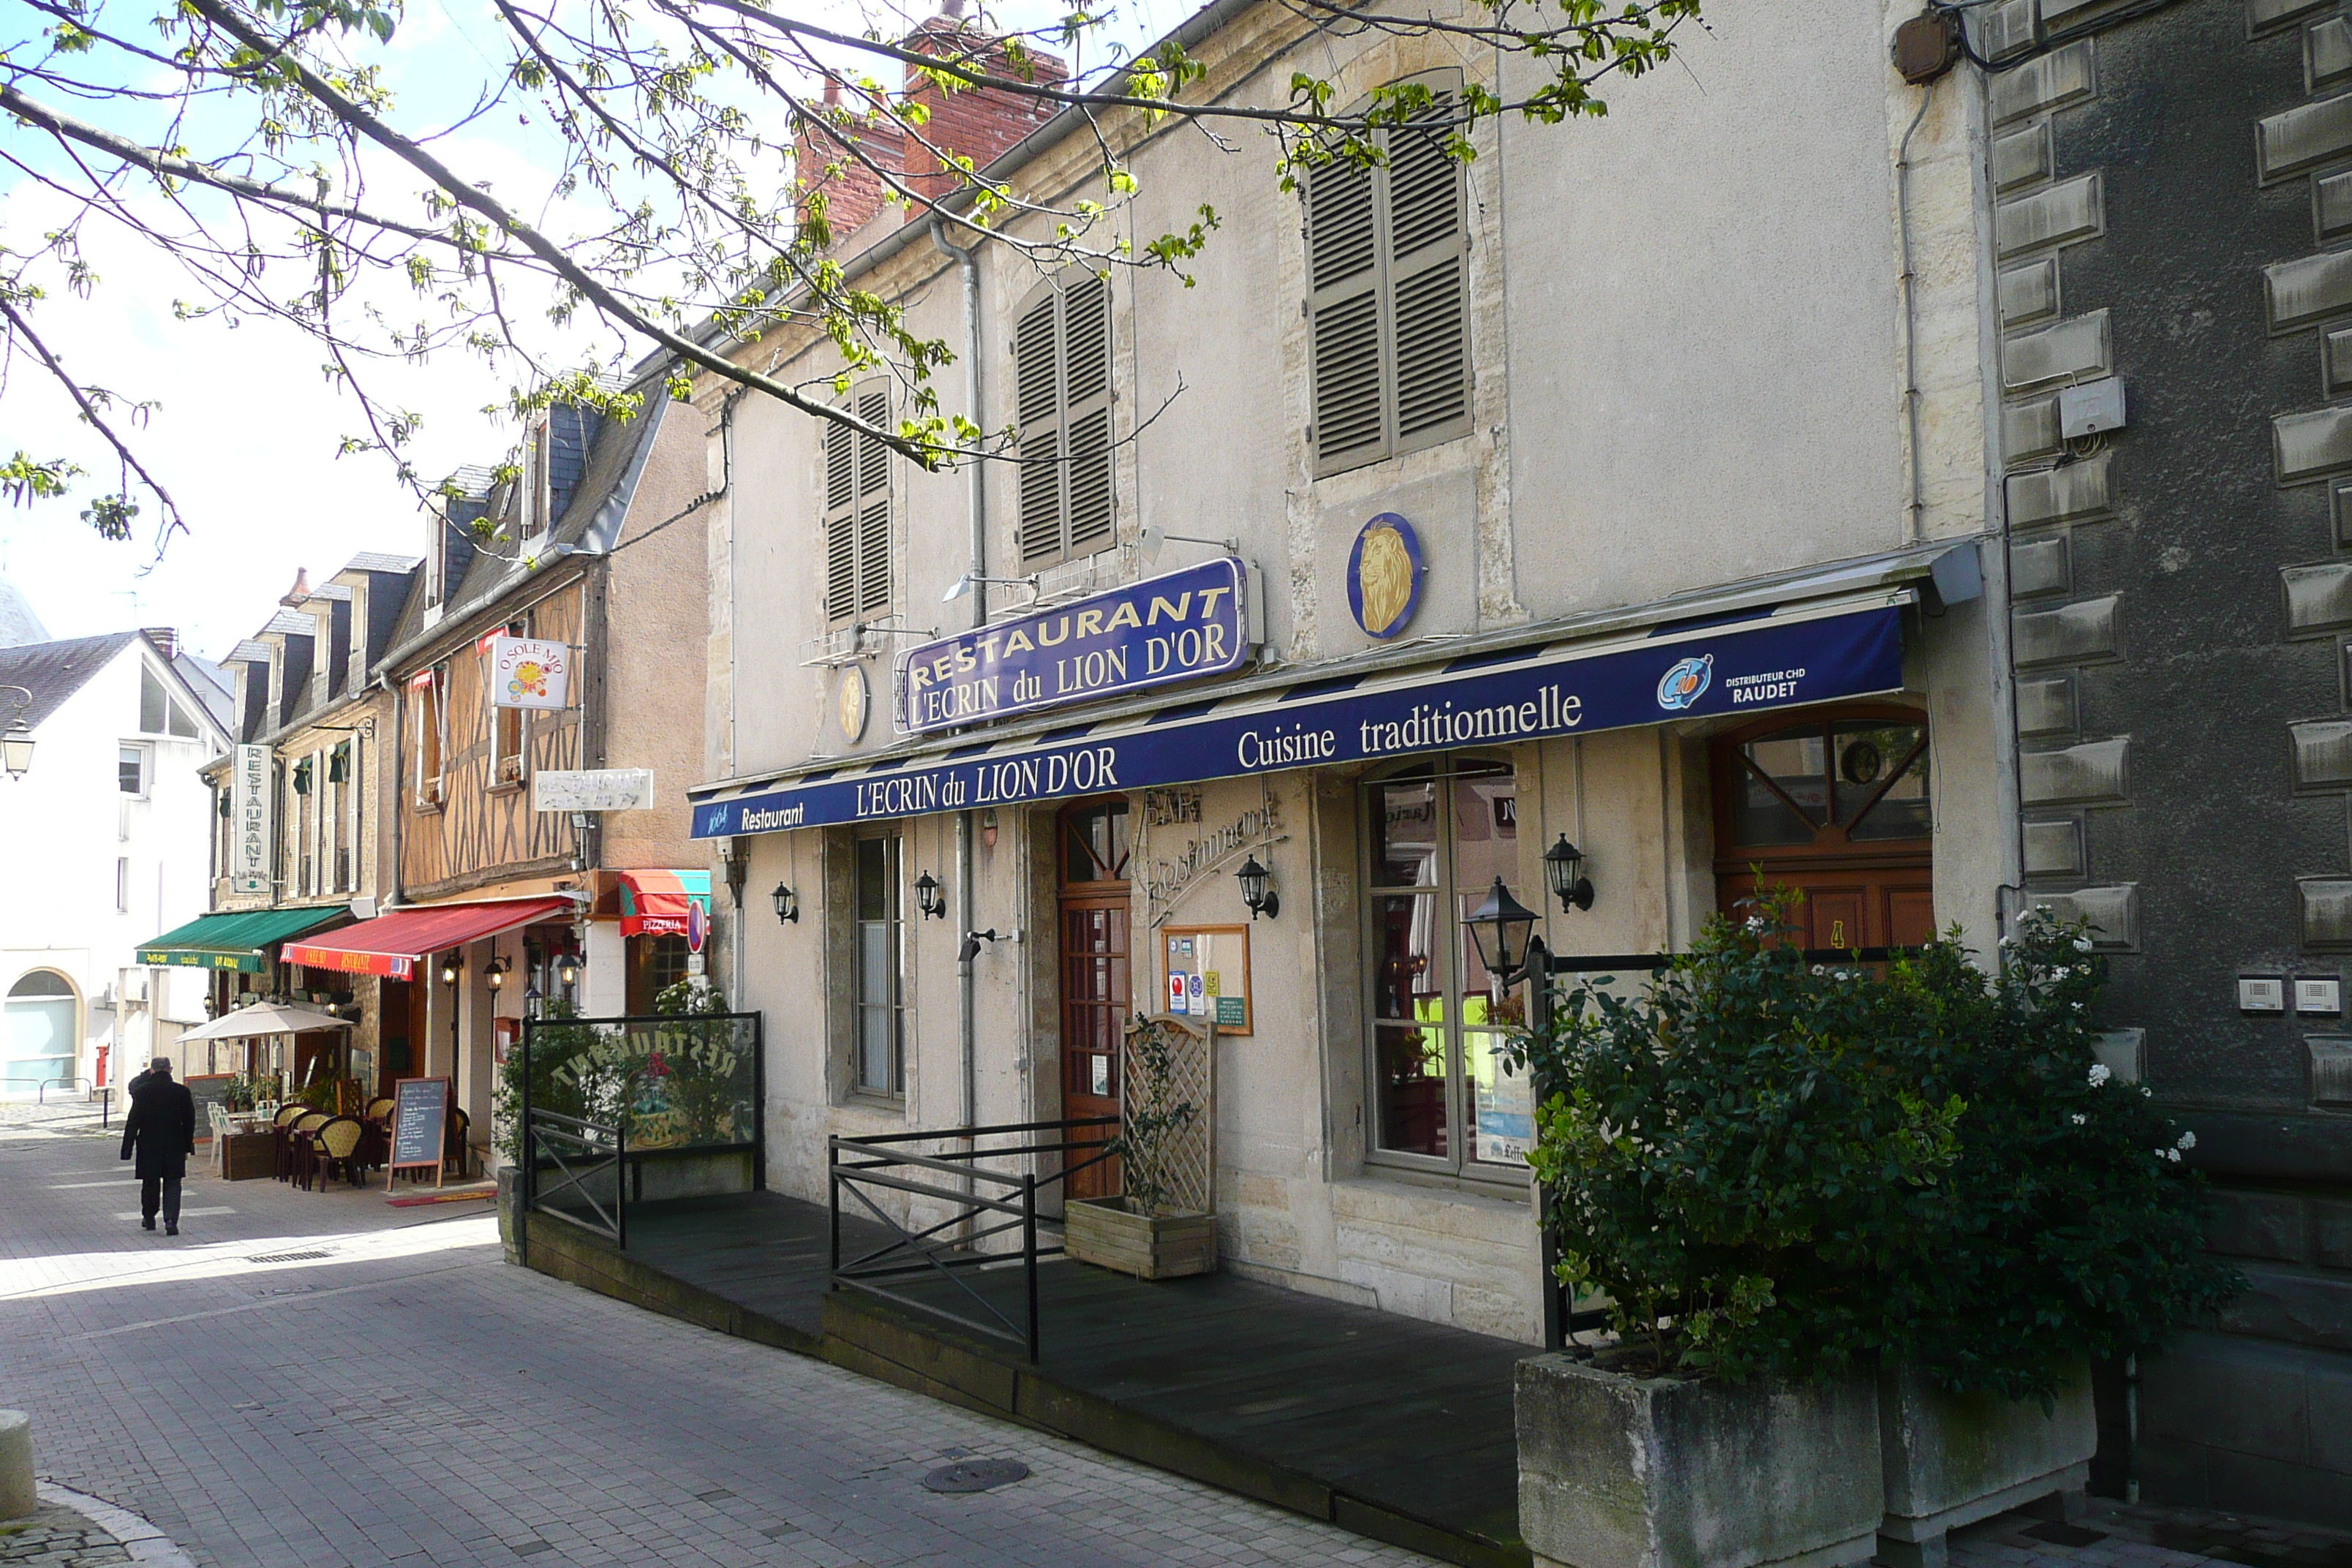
column 168, row 1189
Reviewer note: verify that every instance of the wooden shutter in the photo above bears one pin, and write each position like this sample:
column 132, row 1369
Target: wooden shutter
column 858, row 513
column 1062, row 397
column 1387, row 265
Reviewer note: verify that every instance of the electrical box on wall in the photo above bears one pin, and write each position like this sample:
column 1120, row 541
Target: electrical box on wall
column 2319, row 994
column 2261, row 994
column 2092, row 409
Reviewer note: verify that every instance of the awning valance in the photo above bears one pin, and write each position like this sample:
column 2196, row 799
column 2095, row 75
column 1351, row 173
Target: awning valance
column 236, row 941
column 391, row 944
column 1774, row 656
column 663, row 903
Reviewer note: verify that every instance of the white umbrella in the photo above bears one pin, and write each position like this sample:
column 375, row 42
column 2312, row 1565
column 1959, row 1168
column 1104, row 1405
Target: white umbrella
column 263, row 1018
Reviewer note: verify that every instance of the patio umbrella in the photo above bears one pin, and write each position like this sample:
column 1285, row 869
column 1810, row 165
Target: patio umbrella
column 263, row 1018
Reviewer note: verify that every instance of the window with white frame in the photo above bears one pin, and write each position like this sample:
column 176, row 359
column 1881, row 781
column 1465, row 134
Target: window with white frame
column 131, row 769
column 1388, row 274
column 1061, row 406
column 428, row 732
column 857, row 512
column 1435, row 838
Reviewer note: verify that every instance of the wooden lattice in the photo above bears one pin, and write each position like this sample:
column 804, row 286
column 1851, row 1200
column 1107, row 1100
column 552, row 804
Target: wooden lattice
column 1188, row 1157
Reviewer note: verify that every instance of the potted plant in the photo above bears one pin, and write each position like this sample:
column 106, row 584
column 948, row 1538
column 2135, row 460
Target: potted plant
column 1149, row 1231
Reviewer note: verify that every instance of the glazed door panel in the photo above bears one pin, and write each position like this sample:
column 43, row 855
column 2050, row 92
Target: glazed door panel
column 1097, row 985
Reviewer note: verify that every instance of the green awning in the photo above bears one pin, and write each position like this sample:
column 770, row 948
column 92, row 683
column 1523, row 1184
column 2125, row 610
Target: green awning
column 237, row 941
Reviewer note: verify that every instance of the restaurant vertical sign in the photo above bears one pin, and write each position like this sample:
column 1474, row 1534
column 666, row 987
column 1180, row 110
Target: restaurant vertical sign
column 249, row 803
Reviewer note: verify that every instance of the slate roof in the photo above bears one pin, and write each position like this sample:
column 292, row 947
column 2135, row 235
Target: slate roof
column 54, row 671
column 374, row 561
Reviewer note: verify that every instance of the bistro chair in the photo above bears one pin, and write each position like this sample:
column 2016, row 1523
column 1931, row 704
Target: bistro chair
column 338, row 1146
column 281, row 1137
column 378, row 1108
column 303, row 1136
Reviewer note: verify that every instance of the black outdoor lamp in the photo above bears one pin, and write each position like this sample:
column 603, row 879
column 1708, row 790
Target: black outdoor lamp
column 788, row 906
column 1261, row 899
column 17, row 739
column 452, row 967
column 495, row 975
column 1501, row 927
column 1564, row 874
column 928, row 898
column 567, row 970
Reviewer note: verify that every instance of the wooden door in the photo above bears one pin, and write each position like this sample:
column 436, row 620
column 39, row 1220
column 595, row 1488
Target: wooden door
column 1098, row 973
column 1833, row 806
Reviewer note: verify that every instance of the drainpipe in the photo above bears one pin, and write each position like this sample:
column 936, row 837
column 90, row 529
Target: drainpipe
column 976, row 476
column 1917, row 509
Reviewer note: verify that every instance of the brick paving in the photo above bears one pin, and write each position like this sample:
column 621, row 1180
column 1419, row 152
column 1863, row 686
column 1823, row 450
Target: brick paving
column 381, row 1389
column 56, row 1537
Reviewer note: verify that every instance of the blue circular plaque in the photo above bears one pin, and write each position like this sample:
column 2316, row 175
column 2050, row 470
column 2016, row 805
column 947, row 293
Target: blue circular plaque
column 1384, row 575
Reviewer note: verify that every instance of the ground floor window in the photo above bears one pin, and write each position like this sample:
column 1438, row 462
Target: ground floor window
column 655, row 965
column 1436, row 836
column 39, row 1046
column 877, row 1044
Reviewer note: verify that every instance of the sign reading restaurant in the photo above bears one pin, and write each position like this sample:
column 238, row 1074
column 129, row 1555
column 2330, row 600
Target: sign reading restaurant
column 1178, row 627
column 250, row 792
column 1496, row 699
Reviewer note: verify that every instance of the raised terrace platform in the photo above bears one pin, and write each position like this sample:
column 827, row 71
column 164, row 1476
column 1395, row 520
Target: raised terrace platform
column 1394, row 1428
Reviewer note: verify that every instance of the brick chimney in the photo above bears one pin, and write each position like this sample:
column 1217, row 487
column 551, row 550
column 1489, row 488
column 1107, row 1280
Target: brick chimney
column 166, row 639
column 979, row 125
column 300, row 590
column 822, row 157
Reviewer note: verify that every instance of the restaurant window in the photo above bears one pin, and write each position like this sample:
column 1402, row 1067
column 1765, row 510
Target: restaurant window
column 879, row 1032
column 1436, row 837
column 1833, row 806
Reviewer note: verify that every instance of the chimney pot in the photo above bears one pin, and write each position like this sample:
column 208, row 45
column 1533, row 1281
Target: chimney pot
column 166, row 640
column 832, row 90
column 302, row 588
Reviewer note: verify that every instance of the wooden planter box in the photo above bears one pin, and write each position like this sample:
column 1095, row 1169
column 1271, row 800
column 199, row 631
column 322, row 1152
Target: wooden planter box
column 1659, row 1472
column 1105, row 1232
column 1954, row 1458
column 245, row 1155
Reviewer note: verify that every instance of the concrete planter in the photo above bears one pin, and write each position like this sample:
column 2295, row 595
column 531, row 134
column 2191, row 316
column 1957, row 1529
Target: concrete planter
column 1106, row 1232
column 1632, row 1472
column 1953, row 1458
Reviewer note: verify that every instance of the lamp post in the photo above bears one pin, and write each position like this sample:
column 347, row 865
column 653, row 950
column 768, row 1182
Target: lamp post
column 17, row 739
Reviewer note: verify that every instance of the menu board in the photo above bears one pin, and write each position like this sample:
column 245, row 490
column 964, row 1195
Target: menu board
column 420, row 1125
column 1207, row 975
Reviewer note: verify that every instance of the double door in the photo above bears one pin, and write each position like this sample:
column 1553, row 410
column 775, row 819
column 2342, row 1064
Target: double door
column 1097, row 973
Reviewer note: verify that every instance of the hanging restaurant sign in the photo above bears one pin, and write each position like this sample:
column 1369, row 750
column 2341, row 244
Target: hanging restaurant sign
column 248, row 821
column 1504, row 696
column 528, row 672
column 1178, row 627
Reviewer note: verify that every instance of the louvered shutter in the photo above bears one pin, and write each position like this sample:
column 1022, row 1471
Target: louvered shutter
column 1426, row 266
column 1343, row 308
column 840, row 523
column 1387, row 263
column 1085, row 403
column 873, row 507
column 1063, row 404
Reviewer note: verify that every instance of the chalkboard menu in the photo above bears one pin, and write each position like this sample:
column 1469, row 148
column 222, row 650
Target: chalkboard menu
column 420, row 1124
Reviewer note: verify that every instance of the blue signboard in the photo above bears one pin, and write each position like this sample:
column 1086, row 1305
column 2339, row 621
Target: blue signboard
column 1179, row 626
column 1495, row 698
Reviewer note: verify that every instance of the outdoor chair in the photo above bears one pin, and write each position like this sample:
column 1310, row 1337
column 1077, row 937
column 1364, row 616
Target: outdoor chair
column 303, row 1139
column 453, row 1158
column 338, row 1146
column 281, row 1134
column 380, row 1108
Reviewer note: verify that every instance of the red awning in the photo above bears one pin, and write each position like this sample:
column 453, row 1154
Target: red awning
column 664, row 903
column 391, row 944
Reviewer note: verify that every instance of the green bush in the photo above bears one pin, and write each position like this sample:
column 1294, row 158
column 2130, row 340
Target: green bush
column 1771, row 1166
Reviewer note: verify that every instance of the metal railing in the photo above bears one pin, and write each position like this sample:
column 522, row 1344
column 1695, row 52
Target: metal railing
column 983, row 1205
column 598, row 1147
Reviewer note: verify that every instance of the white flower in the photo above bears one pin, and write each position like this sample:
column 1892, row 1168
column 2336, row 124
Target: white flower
column 2081, row 944
column 2171, row 1155
column 2100, row 1073
column 2187, row 1140
column 2079, row 1007
column 1819, row 969
column 2080, row 1119
column 2060, row 973
column 2146, row 1092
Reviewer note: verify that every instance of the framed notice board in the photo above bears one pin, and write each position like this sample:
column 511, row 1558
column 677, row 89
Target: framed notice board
column 1205, row 975
column 420, row 1127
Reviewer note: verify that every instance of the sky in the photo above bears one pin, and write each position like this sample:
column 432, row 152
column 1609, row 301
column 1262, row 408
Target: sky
column 245, row 429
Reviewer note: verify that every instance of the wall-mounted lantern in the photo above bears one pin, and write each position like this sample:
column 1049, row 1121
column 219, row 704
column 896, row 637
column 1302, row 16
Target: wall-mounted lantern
column 1501, row 927
column 928, row 899
column 17, row 739
column 1260, row 898
column 452, row 967
column 495, row 975
column 1564, row 874
column 567, row 970
column 788, row 906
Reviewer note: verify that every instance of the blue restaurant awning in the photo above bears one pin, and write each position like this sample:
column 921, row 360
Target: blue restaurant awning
column 1746, row 659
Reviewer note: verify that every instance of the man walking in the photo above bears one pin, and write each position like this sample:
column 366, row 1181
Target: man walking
column 163, row 1126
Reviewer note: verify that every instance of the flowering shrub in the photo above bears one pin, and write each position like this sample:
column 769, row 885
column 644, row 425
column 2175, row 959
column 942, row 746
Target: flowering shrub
column 1767, row 1166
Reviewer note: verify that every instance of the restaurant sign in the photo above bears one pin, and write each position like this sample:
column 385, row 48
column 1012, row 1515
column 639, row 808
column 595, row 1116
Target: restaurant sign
column 248, row 821
column 1178, row 627
column 528, row 672
column 1505, row 697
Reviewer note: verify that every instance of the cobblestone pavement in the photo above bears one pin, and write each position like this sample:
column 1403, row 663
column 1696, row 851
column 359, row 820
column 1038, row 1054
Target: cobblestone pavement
column 59, row 1538
column 326, row 1380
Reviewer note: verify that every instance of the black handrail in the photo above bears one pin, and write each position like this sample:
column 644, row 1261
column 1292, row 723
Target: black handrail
column 858, row 1164
column 542, row 1131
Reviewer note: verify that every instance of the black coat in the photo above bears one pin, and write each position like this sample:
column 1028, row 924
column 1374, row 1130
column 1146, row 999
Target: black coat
column 161, row 1126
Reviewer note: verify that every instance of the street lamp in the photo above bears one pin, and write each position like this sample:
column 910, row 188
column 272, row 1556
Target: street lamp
column 1501, row 927
column 16, row 740
column 1261, row 899
column 788, row 907
column 1564, row 874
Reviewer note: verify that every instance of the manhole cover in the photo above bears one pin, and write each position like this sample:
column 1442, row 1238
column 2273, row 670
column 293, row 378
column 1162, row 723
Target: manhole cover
column 976, row 1475
column 290, row 1257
